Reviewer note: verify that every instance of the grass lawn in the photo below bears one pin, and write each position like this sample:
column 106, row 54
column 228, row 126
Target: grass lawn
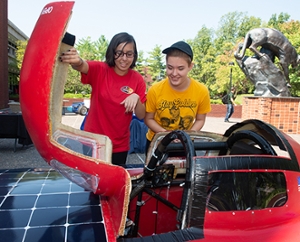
column 239, row 98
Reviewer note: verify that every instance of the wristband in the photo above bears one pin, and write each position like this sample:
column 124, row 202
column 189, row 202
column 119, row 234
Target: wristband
column 81, row 62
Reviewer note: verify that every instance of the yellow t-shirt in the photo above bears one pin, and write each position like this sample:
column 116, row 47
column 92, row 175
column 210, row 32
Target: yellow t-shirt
column 176, row 110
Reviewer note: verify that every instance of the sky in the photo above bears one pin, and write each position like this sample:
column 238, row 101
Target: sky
column 151, row 22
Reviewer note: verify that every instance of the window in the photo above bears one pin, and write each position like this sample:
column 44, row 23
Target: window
column 246, row 190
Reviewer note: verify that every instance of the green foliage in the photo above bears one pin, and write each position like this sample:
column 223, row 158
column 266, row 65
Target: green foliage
column 13, row 77
column 274, row 21
column 216, row 101
column 248, row 23
column 92, row 50
column 79, row 95
column 239, row 98
column 229, row 26
column 204, row 56
column 12, row 96
column 156, row 64
column 21, row 47
column 140, row 63
column 88, row 50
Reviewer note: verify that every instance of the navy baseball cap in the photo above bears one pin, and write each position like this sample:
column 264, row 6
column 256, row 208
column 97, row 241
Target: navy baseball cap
column 182, row 46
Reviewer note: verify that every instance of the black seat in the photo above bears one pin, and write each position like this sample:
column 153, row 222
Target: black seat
column 247, row 142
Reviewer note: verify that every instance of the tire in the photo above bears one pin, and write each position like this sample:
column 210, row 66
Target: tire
column 83, row 110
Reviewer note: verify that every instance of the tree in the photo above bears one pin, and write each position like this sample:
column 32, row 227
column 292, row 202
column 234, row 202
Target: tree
column 156, row 64
column 140, row 63
column 228, row 29
column 14, row 66
column 247, row 24
column 221, row 83
column 88, row 50
column 101, row 46
column 291, row 30
column 204, row 57
column 232, row 29
column 21, row 47
column 274, row 21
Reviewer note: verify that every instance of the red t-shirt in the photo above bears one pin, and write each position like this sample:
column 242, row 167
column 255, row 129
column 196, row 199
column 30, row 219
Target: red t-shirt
column 106, row 115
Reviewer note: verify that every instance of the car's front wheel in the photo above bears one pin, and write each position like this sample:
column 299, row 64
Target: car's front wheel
column 83, row 110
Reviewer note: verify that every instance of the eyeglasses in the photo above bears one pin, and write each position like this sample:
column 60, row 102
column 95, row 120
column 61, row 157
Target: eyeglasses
column 120, row 53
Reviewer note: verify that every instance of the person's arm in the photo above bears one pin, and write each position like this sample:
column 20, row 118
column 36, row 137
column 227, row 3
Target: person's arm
column 82, row 66
column 199, row 122
column 152, row 124
column 72, row 57
column 140, row 110
column 232, row 101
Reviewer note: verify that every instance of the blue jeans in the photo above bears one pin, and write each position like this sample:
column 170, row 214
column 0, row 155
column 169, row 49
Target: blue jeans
column 230, row 110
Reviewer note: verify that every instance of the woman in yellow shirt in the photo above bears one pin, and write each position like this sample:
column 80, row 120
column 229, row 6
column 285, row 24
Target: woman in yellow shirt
column 177, row 102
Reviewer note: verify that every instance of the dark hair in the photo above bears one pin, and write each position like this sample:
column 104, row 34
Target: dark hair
column 114, row 43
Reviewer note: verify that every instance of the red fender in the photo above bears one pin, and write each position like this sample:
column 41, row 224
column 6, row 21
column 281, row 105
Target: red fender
column 42, row 82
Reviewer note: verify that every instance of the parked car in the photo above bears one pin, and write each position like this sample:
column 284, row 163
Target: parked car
column 76, row 107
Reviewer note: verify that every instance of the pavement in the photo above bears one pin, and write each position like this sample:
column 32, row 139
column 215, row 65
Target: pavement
column 28, row 156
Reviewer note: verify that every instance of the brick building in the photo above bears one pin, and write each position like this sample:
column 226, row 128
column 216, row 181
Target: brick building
column 9, row 72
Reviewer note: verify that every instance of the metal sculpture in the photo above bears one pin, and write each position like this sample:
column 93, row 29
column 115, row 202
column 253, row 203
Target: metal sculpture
column 269, row 80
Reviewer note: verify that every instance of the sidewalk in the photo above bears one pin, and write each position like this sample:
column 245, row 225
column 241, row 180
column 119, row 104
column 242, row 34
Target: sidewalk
column 28, row 157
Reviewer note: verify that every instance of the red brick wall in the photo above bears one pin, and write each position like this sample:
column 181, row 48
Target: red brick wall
column 68, row 101
column 219, row 110
column 281, row 112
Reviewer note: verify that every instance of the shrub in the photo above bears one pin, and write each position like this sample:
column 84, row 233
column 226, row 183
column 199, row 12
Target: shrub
column 78, row 95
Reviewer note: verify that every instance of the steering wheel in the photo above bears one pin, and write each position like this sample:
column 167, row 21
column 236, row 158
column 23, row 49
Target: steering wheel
column 265, row 146
column 158, row 154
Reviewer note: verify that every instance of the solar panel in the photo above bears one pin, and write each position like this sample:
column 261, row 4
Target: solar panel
column 42, row 205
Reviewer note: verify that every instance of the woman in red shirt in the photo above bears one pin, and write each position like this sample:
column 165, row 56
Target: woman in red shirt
column 118, row 91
